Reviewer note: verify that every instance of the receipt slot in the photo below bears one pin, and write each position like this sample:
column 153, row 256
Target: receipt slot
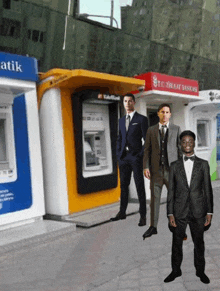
column 79, row 113
column 21, row 178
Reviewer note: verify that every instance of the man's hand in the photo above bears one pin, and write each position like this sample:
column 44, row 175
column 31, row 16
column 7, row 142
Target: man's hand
column 172, row 221
column 147, row 173
column 208, row 219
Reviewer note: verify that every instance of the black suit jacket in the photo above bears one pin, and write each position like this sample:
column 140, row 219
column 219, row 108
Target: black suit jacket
column 136, row 131
column 198, row 197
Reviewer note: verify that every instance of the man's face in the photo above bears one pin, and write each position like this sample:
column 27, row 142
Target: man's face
column 128, row 103
column 164, row 115
column 187, row 145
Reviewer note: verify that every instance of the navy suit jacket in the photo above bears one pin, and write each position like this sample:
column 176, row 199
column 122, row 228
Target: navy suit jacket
column 136, row 131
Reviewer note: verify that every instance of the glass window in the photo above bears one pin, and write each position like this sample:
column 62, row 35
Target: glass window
column 35, row 35
column 7, row 4
column 10, row 27
column 202, row 133
column 41, row 36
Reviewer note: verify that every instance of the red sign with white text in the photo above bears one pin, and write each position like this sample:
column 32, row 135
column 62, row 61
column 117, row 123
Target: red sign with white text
column 162, row 82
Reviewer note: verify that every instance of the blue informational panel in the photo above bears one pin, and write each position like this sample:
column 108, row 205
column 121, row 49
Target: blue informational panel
column 18, row 67
column 218, row 138
column 17, row 195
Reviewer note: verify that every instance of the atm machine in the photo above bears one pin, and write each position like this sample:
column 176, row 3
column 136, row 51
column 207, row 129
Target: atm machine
column 79, row 113
column 21, row 179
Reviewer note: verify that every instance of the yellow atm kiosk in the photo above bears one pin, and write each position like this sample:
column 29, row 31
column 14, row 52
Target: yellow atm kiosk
column 79, row 111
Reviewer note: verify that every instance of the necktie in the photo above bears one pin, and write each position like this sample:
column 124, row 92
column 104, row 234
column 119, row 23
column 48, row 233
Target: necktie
column 163, row 131
column 187, row 158
column 128, row 118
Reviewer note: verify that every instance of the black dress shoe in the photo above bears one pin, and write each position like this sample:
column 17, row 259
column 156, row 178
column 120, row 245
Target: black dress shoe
column 173, row 275
column 203, row 278
column 185, row 237
column 118, row 217
column 142, row 221
column 151, row 230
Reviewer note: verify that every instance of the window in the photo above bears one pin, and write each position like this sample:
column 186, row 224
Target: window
column 203, row 133
column 10, row 27
column 36, row 35
column 6, row 4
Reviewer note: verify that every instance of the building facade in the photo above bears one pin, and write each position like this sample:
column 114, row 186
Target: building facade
column 175, row 37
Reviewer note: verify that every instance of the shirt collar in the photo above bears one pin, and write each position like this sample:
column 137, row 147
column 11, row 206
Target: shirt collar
column 131, row 114
column 160, row 125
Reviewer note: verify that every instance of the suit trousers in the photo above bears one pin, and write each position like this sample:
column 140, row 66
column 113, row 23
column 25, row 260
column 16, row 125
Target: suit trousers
column 127, row 164
column 156, row 184
column 197, row 232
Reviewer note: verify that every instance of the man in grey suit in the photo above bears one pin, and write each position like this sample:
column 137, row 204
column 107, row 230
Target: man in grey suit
column 189, row 201
column 162, row 147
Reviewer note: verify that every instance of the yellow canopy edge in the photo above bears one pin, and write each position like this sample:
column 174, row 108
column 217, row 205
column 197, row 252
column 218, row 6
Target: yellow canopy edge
column 77, row 80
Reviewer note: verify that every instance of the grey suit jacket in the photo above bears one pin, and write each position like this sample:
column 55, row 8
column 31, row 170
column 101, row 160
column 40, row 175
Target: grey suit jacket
column 152, row 147
column 198, row 197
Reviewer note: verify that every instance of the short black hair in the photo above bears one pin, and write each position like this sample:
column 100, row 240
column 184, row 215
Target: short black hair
column 129, row 95
column 163, row 105
column 188, row 132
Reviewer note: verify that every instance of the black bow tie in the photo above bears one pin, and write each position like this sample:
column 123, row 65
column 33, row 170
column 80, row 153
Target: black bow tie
column 187, row 158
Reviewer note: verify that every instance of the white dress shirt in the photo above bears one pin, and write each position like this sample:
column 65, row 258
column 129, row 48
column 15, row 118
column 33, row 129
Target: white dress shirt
column 188, row 165
column 165, row 128
column 131, row 115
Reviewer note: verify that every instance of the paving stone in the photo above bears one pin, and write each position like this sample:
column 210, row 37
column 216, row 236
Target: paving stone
column 174, row 286
column 128, row 284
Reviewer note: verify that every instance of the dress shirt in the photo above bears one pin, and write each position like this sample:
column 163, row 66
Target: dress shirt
column 165, row 128
column 131, row 115
column 188, row 166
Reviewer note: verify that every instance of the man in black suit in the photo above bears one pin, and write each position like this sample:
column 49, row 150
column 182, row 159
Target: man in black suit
column 189, row 201
column 132, row 131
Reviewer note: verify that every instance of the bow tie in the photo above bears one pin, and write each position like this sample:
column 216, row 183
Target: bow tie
column 187, row 158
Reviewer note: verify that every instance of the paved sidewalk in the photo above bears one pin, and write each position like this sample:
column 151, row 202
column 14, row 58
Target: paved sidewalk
column 111, row 256
column 150, row 276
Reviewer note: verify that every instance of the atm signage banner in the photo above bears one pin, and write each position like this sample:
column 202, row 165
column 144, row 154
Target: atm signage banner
column 18, row 67
column 162, row 82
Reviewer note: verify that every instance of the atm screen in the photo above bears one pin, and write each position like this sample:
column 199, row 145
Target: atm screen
column 97, row 156
column 95, row 129
column 3, row 156
column 8, row 171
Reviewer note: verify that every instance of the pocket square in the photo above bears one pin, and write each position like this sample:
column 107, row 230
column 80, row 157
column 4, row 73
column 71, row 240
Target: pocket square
column 134, row 123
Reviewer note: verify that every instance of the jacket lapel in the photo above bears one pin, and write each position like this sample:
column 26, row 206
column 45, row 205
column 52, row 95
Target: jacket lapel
column 182, row 171
column 123, row 129
column 157, row 134
column 170, row 131
column 195, row 170
column 132, row 120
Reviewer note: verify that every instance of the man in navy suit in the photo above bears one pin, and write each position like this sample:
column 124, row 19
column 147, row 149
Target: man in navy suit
column 132, row 131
